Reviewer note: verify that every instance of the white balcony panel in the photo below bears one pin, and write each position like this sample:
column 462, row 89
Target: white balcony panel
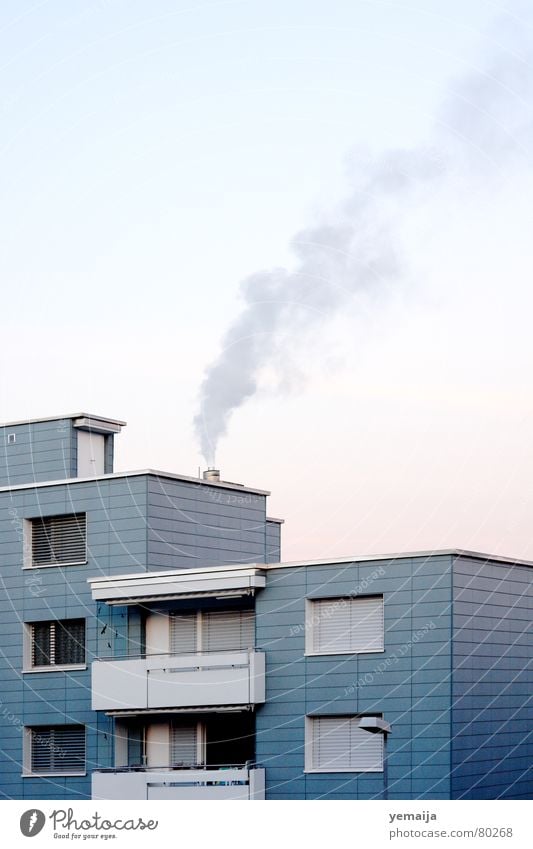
column 229, row 678
column 182, row 583
column 237, row 784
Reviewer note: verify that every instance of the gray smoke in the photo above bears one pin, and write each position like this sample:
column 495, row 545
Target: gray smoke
column 485, row 120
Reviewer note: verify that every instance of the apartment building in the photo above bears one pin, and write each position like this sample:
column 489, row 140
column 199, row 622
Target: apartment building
column 153, row 645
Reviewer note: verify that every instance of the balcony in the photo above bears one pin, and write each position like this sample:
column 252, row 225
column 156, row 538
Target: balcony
column 233, row 783
column 178, row 681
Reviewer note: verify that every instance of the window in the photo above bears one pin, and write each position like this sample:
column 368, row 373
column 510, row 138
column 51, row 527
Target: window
column 57, row 540
column 212, row 631
column 187, row 744
column 231, row 630
column 55, row 643
column 337, row 744
column 345, row 625
column 55, row 750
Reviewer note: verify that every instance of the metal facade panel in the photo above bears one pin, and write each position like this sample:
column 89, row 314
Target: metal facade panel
column 417, row 649
column 41, row 452
column 492, row 713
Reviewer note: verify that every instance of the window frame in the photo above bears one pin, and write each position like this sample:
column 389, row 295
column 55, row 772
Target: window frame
column 27, row 754
column 29, row 668
column 308, row 747
column 28, row 542
column 310, row 624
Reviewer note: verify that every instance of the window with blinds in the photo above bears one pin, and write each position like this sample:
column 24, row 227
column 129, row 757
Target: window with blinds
column 231, row 630
column 183, row 633
column 57, row 540
column 58, row 749
column 345, row 625
column 212, row 631
column 57, row 643
column 184, row 744
column 337, row 744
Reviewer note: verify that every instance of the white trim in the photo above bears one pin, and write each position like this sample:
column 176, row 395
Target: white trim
column 171, row 574
column 67, row 417
column 98, row 426
column 266, row 567
column 311, row 771
column 308, row 747
column 27, row 648
column 57, row 565
column 312, row 620
column 26, row 751
column 52, row 774
column 146, row 586
column 402, row 555
column 236, row 487
column 63, row 667
column 334, row 653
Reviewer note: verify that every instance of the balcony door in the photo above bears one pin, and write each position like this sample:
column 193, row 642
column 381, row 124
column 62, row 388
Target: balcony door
column 177, row 743
column 212, row 631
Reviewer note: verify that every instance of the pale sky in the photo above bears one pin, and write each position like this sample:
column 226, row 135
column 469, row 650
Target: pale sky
column 154, row 154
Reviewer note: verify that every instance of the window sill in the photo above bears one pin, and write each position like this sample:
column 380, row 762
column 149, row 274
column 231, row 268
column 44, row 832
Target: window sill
column 57, row 565
column 346, row 651
column 66, row 667
column 53, row 774
column 346, row 769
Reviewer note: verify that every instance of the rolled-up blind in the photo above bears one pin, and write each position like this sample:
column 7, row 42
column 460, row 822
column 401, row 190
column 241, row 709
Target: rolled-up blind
column 58, row 749
column 59, row 539
column 339, row 744
column 347, row 624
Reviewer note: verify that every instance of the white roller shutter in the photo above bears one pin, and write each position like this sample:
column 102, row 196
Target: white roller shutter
column 184, row 744
column 338, row 744
column 183, row 633
column 347, row 625
column 228, row 630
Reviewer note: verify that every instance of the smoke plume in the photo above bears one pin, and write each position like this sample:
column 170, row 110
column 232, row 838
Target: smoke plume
column 484, row 121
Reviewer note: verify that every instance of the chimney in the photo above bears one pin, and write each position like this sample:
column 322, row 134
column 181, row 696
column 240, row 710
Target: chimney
column 211, row 474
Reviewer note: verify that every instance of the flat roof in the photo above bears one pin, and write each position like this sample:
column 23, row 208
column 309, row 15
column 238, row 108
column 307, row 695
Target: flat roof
column 61, row 418
column 288, row 564
column 236, row 487
column 403, row 555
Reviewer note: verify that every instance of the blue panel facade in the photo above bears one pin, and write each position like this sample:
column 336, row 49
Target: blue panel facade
column 454, row 679
column 195, row 524
column 409, row 683
column 135, row 523
column 37, row 451
column 273, row 541
column 492, row 713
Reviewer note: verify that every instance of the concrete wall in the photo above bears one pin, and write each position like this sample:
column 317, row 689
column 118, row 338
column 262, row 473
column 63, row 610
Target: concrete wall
column 492, row 718
column 410, row 683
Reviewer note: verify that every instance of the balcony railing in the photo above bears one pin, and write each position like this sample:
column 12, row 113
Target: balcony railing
column 187, row 680
column 237, row 783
